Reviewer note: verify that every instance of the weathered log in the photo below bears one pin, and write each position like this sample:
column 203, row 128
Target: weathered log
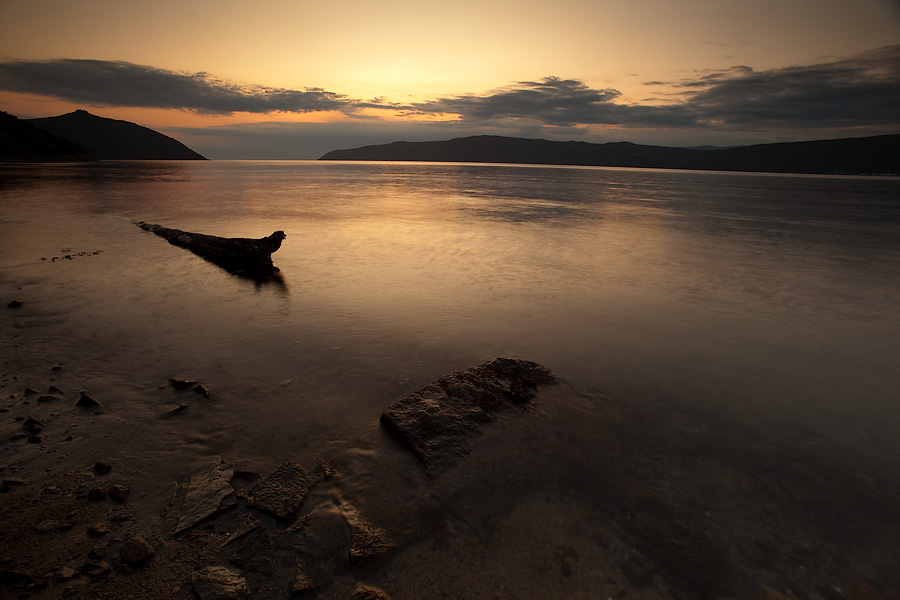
column 243, row 256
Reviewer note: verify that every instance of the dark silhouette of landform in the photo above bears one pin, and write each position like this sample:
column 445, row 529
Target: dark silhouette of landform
column 22, row 141
column 877, row 155
column 111, row 139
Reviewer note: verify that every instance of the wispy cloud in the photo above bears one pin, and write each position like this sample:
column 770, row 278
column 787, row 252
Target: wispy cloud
column 116, row 83
column 859, row 91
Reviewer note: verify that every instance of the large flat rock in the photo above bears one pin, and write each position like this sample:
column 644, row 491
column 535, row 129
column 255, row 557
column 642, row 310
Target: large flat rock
column 439, row 421
column 209, row 492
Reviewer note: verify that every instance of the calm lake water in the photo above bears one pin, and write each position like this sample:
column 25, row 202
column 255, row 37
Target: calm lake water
column 769, row 301
column 766, row 296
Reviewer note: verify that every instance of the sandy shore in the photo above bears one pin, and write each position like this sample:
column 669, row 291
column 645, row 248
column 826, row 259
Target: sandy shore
column 668, row 504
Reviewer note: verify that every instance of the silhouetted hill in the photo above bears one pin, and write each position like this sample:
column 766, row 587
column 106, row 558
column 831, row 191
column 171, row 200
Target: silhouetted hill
column 115, row 140
column 21, row 141
column 869, row 155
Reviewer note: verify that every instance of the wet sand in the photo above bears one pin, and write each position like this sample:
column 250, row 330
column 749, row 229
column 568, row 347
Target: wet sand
column 668, row 503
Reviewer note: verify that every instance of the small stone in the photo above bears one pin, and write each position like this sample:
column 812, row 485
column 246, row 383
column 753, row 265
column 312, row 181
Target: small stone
column 56, row 368
column 98, row 529
column 67, row 573
column 34, row 439
column 98, row 493
column 183, row 384
column 118, row 492
column 54, row 390
column 95, row 568
column 98, row 552
column 47, row 525
column 50, row 490
column 33, row 425
column 136, row 551
column 47, row 398
column 31, row 391
column 102, row 467
column 15, row 304
column 201, row 390
column 368, row 592
column 87, row 401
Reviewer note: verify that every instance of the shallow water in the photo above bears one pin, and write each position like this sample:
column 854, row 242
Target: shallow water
column 768, row 303
column 770, row 297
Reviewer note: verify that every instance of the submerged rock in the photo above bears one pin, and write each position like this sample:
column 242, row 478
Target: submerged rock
column 321, row 541
column 439, row 421
column 282, row 492
column 209, row 492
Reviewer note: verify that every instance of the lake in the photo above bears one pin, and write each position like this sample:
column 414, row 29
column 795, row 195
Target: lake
column 765, row 302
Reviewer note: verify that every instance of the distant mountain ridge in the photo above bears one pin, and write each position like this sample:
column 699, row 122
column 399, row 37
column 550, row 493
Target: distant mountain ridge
column 111, row 139
column 21, row 141
column 877, row 155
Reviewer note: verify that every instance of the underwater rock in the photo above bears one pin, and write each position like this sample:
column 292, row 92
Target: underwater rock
column 282, row 492
column 439, row 421
column 209, row 492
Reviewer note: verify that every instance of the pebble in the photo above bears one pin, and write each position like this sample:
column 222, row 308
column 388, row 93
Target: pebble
column 119, row 492
column 136, row 551
column 102, row 467
column 97, row 493
column 87, row 400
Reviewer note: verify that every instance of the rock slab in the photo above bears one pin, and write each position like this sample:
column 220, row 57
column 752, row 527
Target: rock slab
column 282, row 492
column 439, row 421
column 219, row 583
column 209, row 492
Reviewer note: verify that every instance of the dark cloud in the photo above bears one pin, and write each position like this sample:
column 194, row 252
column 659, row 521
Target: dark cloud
column 105, row 83
column 860, row 91
column 855, row 92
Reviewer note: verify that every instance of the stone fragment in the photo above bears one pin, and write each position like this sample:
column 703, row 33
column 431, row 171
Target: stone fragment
column 31, row 391
column 98, row 529
column 67, row 573
column 368, row 592
column 98, row 493
column 219, row 583
column 321, row 540
column 252, row 550
column 209, row 492
column 118, row 492
column 35, row 439
column 282, row 492
column 439, row 422
column 47, row 398
column 33, row 425
column 55, row 390
column 15, row 304
column 201, row 390
column 102, row 467
column 136, row 551
column 369, row 541
column 87, row 401
column 47, row 525
column 183, row 384
column 95, row 568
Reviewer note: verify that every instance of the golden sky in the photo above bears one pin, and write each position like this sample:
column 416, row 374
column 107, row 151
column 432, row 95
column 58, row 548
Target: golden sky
column 406, row 65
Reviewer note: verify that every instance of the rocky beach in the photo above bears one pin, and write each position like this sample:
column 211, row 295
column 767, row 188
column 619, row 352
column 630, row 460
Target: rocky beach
column 672, row 505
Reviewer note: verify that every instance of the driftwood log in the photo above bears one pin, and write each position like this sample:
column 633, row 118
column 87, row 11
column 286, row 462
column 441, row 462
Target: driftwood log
column 243, row 256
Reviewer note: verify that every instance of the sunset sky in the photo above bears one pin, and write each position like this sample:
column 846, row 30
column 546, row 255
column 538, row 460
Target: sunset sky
column 294, row 79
